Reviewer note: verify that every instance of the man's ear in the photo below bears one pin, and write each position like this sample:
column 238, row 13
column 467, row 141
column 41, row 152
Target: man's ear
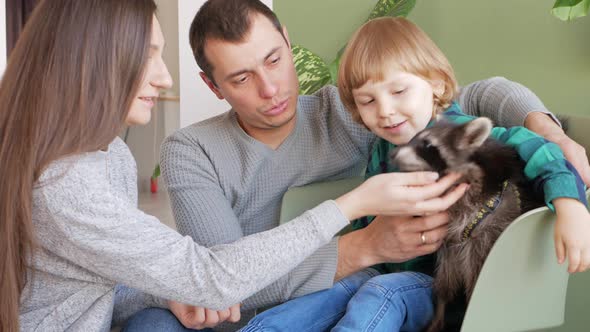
column 211, row 85
column 286, row 36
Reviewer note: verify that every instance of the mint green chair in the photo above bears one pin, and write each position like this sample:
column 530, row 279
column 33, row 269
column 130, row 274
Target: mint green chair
column 299, row 199
column 521, row 286
column 578, row 292
column 577, row 303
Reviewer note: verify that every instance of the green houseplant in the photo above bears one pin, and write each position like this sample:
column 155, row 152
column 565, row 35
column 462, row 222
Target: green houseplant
column 568, row 10
column 314, row 73
column 154, row 179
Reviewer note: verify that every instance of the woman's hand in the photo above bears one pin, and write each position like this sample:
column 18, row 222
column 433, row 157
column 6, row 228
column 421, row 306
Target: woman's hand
column 395, row 194
column 198, row 318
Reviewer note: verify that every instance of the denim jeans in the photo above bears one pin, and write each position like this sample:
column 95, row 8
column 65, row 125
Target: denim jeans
column 364, row 301
column 156, row 319
column 390, row 302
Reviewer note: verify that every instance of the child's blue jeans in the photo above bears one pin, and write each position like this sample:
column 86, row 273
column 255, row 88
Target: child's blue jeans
column 364, row 301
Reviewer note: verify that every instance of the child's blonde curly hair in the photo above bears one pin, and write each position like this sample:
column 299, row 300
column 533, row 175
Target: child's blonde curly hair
column 393, row 42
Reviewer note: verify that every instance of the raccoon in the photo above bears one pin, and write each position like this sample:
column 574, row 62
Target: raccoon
column 498, row 193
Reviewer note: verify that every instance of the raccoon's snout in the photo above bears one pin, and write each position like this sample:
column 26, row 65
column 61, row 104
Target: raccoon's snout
column 405, row 159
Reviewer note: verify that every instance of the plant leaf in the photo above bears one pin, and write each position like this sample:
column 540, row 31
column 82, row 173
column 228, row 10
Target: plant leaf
column 334, row 69
column 566, row 3
column 312, row 71
column 392, row 8
column 567, row 10
column 156, row 173
column 382, row 8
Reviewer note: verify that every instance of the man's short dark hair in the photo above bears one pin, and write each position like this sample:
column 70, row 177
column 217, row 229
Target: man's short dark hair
column 226, row 20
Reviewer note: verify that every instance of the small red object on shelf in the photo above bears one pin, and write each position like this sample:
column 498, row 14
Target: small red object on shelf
column 154, row 185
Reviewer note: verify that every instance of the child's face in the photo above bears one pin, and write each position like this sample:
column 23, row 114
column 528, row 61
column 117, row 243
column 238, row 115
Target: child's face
column 396, row 108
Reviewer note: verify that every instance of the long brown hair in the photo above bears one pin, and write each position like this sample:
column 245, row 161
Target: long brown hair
column 67, row 89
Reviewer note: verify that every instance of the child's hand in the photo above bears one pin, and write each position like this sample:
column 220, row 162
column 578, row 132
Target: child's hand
column 572, row 234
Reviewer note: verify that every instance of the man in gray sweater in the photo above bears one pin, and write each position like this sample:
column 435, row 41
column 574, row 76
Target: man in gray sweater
column 226, row 175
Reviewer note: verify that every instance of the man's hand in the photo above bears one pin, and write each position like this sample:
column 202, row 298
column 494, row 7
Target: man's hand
column 199, row 318
column 543, row 125
column 390, row 239
column 574, row 153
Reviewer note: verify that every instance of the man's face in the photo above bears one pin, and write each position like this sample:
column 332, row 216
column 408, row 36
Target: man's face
column 257, row 77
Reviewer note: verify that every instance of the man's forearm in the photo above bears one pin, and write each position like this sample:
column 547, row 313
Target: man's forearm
column 543, row 124
column 354, row 253
column 575, row 153
column 506, row 102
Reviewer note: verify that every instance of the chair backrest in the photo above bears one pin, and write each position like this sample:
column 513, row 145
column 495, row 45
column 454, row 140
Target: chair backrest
column 521, row 287
column 299, row 199
column 577, row 302
column 578, row 292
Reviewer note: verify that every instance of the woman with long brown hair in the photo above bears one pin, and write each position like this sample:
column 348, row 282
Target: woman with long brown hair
column 70, row 230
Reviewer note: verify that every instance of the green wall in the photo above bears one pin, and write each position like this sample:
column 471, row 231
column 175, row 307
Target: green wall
column 518, row 39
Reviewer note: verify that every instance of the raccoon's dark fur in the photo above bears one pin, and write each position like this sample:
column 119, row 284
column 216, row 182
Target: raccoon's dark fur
column 485, row 164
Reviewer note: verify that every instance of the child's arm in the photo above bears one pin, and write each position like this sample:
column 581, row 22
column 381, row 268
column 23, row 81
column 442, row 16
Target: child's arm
column 563, row 190
column 545, row 164
column 572, row 234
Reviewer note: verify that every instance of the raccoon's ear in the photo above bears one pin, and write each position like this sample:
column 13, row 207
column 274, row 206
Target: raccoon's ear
column 475, row 133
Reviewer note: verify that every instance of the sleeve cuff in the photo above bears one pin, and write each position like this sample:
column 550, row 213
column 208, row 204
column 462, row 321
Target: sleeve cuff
column 330, row 219
column 546, row 112
column 562, row 186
